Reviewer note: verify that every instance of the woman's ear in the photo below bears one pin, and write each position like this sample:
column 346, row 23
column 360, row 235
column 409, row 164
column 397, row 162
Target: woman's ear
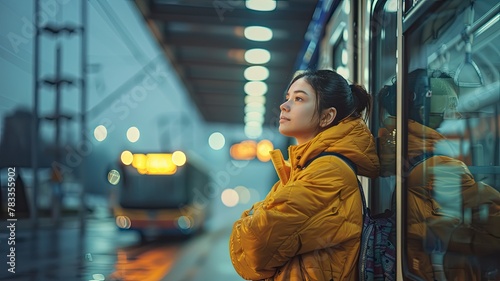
column 328, row 116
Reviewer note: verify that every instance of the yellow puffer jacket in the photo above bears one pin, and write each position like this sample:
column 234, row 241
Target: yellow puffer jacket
column 309, row 225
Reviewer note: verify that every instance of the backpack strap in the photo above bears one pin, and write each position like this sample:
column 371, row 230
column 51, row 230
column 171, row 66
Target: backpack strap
column 341, row 156
column 350, row 164
column 417, row 160
column 414, row 162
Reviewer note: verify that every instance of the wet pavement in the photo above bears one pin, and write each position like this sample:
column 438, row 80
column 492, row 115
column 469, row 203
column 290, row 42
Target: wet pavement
column 100, row 251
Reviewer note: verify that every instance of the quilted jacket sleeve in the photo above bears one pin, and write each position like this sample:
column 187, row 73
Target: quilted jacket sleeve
column 290, row 219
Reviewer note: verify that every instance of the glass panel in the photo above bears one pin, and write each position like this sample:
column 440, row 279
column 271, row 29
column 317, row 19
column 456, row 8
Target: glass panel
column 453, row 103
column 341, row 40
column 383, row 50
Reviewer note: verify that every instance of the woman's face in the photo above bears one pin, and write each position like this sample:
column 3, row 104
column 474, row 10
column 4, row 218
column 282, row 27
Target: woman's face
column 298, row 118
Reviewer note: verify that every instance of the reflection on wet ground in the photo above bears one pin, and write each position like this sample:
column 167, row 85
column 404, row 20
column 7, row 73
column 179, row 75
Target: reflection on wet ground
column 102, row 252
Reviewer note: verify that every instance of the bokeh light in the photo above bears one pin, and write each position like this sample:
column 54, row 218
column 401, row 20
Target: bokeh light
column 256, row 73
column 184, row 222
column 133, row 134
column 258, row 33
column 127, row 157
column 113, row 177
column 216, row 141
column 123, row 222
column 100, row 133
column 179, row 158
column 261, row 5
column 229, row 197
column 257, row 56
column 243, row 194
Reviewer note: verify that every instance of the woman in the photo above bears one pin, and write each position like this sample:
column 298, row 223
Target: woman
column 309, row 225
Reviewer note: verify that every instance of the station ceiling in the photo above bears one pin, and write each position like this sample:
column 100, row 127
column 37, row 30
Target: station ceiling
column 204, row 41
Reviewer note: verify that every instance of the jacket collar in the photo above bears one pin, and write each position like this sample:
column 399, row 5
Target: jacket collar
column 350, row 137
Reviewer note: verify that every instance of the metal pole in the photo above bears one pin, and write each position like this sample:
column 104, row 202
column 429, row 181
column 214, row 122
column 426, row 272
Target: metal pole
column 35, row 123
column 399, row 145
column 490, row 15
column 57, row 176
column 83, row 104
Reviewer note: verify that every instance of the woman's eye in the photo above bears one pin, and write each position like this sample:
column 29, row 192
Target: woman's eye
column 295, row 99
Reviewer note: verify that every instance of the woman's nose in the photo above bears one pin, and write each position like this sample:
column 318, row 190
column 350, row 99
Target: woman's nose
column 284, row 106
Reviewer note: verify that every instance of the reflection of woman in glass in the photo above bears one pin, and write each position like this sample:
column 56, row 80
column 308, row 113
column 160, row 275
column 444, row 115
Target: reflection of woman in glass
column 452, row 220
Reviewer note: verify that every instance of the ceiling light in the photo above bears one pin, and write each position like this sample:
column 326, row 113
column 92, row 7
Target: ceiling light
column 255, row 99
column 255, row 88
column 258, row 33
column 257, row 56
column 347, row 7
column 253, row 124
column 255, row 117
column 345, row 35
column 391, row 6
column 253, row 132
column 254, row 114
column 256, row 72
column 261, row 5
column 255, row 108
column 254, row 105
column 345, row 57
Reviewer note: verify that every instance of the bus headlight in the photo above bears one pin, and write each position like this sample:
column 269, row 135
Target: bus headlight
column 123, row 222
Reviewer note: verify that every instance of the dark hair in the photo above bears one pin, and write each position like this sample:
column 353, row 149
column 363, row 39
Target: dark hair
column 418, row 84
column 333, row 90
column 387, row 98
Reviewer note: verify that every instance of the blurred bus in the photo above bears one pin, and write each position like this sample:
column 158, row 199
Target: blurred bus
column 160, row 193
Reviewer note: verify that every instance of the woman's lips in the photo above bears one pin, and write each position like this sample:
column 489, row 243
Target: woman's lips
column 284, row 119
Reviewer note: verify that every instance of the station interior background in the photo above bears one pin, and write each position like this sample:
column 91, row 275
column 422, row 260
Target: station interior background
column 129, row 85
